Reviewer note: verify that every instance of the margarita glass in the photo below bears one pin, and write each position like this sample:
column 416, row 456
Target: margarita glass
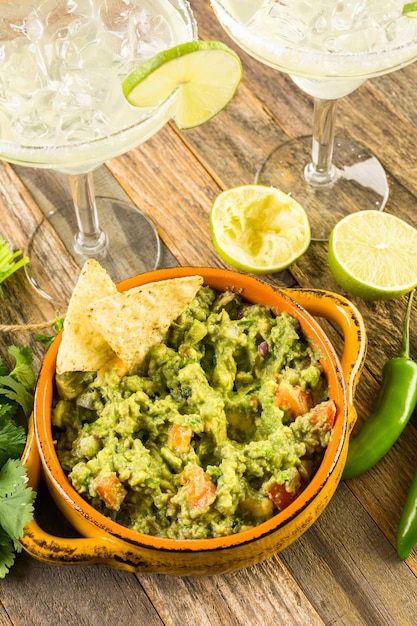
column 329, row 48
column 62, row 107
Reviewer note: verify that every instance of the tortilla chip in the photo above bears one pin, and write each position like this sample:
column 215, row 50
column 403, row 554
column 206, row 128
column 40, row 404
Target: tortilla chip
column 82, row 348
column 133, row 321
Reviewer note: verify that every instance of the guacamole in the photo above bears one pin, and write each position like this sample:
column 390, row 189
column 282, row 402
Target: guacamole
column 225, row 428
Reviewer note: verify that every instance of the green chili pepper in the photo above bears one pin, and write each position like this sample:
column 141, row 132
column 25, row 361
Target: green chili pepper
column 407, row 528
column 393, row 408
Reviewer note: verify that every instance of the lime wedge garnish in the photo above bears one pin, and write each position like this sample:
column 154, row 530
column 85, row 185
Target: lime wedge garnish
column 204, row 74
column 410, row 9
column 373, row 255
column 259, row 229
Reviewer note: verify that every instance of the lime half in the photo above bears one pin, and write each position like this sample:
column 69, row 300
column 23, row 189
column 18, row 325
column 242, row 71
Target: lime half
column 259, row 229
column 373, row 255
column 205, row 75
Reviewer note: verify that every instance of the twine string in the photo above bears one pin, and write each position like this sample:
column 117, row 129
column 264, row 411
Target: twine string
column 26, row 327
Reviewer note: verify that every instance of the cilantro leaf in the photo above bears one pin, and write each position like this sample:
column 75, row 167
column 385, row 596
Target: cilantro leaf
column 12, row 441
column 15, row 391
column 48, row 339
column 7, row 553
column 17, row 385
column 8, row 263
column 6, row 410
column 16, row 499
column 23, row 369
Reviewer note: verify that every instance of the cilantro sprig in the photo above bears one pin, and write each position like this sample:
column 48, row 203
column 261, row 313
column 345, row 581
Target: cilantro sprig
column 16, row 497
column 8, row 260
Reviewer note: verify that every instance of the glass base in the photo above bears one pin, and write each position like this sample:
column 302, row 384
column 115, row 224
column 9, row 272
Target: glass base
column 132, row 246
column 360, row 182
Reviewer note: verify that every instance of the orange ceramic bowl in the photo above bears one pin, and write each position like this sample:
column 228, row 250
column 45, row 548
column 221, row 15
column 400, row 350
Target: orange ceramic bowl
column 109, row 543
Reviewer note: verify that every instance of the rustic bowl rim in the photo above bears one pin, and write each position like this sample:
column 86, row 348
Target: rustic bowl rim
column 337, row 388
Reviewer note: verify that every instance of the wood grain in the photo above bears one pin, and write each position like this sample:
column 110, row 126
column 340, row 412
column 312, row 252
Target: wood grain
column 344, row 570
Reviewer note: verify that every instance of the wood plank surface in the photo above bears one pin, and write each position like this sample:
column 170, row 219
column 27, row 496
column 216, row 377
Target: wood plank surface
column 344, row 569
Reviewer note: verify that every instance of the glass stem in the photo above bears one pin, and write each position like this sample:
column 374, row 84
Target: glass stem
column 321, row 172
column 90, row 239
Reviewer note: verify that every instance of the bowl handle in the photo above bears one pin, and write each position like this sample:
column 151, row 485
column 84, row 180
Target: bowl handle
column 101, row 549
column 340, row 310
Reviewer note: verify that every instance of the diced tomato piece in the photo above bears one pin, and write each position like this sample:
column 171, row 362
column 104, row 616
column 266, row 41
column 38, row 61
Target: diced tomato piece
column 200, row 490
column 324, row 415
column 110, row 490
column 293, row 399
column 281, row 497
column 179, row 438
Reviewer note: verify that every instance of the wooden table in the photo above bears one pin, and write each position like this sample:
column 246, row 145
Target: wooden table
column 344, row 570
